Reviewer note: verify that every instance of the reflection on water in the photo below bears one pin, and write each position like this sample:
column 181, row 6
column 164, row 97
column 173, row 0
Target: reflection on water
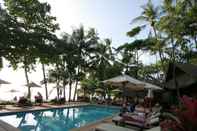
column 58, row 119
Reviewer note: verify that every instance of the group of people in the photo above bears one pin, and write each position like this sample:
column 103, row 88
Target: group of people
column 141, row 105
column 127, row 107
column 38, row 98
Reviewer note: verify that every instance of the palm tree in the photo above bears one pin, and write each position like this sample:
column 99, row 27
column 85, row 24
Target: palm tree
column 85, row 42
column 151, row 14
column 102, row 59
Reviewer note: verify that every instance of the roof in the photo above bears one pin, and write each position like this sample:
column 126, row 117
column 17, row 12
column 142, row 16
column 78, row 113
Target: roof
column 186, row 75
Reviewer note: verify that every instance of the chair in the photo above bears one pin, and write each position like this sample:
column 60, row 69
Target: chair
column 138, row 119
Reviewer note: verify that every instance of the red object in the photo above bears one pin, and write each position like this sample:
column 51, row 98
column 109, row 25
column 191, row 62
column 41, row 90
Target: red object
column 187, row 115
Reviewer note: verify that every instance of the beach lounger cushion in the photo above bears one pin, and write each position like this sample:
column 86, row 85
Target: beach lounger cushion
column 141, row 120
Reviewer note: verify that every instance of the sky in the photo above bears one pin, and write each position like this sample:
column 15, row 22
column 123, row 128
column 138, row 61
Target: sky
column 111, row 18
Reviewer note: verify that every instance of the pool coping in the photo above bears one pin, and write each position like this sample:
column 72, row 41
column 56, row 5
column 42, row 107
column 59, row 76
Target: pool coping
column 4, row 126
column 27, row 110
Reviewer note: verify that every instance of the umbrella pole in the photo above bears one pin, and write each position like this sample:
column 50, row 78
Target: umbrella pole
column 123, row 91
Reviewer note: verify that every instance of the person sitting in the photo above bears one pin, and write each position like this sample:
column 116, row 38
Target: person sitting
column 15, row 99
column 124, row 109
column 38, row 98
column 131, row 107
column 24, row 102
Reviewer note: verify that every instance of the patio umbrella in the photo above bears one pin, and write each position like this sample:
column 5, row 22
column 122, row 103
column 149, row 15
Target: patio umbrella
column 13, row 91
column 4, row 82
column 117, row 91
column 151, row 86
column 32, row 84
column 99, row 90
column 58, row 86
column 125, row 81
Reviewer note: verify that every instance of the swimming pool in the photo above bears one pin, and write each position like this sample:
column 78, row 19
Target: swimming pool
column 61, row 119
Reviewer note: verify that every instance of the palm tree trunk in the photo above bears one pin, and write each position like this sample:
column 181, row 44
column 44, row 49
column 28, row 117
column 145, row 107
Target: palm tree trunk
column 58, row 95
column 27, row 80
column 70, row 87
column 64, row 85
column 45, row 81
column 195, row 40
column 160, row 51
column 1, row 62
column 57, row 87
column 174, row 69
column 137, row 63
column 75, row 93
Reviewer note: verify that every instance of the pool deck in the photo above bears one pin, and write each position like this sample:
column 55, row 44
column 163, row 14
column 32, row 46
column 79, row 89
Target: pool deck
column 6, row 127
column 92, row 126
column 10, row 109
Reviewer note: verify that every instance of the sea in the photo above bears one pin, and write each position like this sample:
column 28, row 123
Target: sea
column 17, row 83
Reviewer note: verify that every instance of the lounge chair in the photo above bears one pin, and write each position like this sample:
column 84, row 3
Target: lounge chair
column 110, row 127
column 140, row 120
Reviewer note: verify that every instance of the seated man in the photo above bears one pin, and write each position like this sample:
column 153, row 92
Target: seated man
column 124, row 109
column 38, row 98
column 131, row 107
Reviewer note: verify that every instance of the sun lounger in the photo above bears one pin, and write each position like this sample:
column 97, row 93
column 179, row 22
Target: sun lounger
column 110, row 127
column 139, row 120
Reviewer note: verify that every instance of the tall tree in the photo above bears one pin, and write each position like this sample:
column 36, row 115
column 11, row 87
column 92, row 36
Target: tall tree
column 36, row 25
column 151, row 15
column 85, row 42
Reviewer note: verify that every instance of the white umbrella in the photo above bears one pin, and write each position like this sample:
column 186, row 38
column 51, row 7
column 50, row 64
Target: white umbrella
column 99, row 90
column 117, row 90
column 151, row 86
column 13, row 91
column 125, row 81
column 4, row 82
column 58, row 86
column 122, row 79
column 32, row 84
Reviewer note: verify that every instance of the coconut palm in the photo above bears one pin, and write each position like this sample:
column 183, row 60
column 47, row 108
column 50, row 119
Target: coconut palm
column 151, row 15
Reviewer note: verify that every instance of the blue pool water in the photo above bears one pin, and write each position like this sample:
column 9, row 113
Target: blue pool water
column 62, row 119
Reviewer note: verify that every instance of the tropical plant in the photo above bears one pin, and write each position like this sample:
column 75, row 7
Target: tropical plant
column 182, row 119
